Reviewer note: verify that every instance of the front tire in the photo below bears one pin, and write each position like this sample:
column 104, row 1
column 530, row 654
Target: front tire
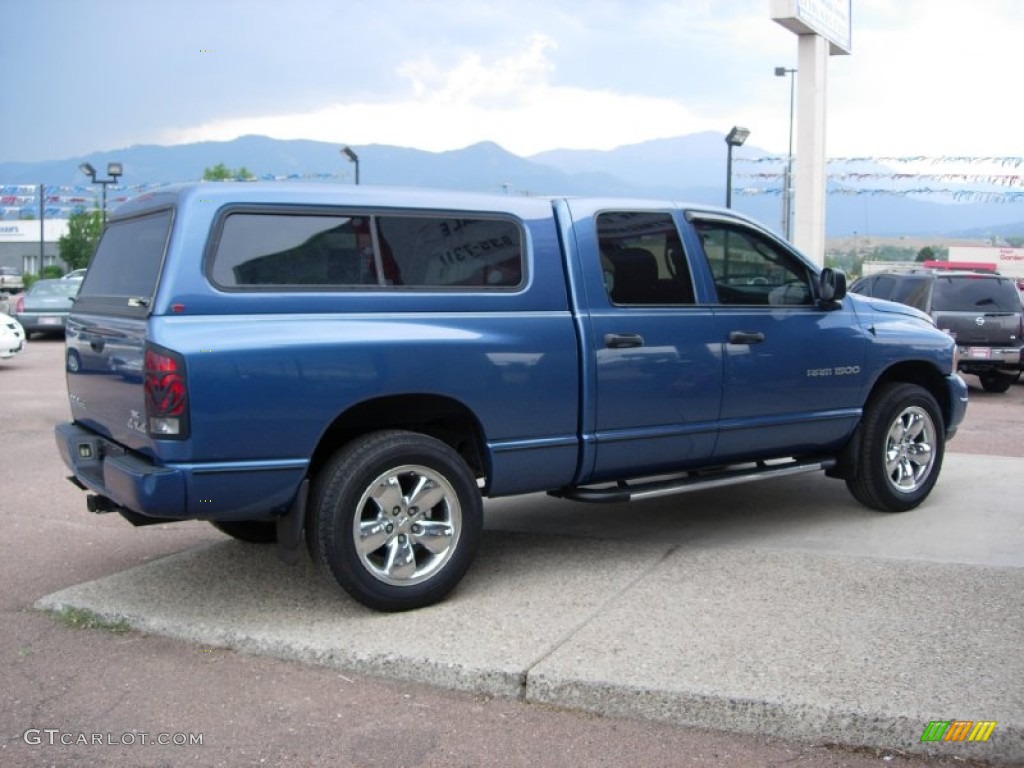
column 395, row 519
column 901, row 449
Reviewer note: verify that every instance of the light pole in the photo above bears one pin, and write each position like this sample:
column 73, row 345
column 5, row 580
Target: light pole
column 735, row 138
column 353, row 158
column 114, row 170
column 787, row 182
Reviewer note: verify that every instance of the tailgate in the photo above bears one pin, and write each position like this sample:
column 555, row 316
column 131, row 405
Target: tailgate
column 982, row 310
column 981, row 328
column 105, row 381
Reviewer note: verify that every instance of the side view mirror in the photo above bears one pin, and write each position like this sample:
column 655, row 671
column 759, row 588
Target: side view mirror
column 831, row 286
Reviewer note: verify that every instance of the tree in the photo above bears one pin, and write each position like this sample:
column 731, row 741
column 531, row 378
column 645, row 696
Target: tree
column 221, row 172
column 926, row 254
column 1015, row 241
column 76, row 247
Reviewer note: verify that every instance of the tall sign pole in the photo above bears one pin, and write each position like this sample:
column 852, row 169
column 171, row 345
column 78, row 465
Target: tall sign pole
column 42, row 227
column 822, row 27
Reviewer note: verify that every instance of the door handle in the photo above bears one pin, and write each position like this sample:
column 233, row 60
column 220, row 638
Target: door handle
column 746, row 337
column 623, row 340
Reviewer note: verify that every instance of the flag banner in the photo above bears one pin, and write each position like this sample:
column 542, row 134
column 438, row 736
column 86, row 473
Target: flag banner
column 22, row 201
column 1002, row 160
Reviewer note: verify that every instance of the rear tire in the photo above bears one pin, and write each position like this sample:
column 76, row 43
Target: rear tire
column 395, row 519
column 251, row 531
column 901, row 449
column 997, row 382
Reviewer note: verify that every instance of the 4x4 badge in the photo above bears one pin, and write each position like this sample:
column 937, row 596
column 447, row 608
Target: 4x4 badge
column 979, row 320
column 136, row 423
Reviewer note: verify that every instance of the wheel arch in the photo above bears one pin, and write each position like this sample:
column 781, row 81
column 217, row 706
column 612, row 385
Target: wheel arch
column 924, row 375
column 444, row 418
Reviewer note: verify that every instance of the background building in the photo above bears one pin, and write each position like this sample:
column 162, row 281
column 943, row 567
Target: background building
column 20, row 248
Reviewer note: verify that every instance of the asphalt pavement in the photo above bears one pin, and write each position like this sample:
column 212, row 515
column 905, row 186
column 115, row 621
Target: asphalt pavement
column 743, row 620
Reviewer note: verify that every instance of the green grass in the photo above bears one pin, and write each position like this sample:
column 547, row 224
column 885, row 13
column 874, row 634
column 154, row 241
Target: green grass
column 82, row 618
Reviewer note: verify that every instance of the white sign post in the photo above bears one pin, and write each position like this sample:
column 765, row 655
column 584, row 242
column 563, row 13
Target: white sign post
column 823, row 27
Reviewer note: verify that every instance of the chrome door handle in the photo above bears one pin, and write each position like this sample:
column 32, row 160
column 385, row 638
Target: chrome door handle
column 746, row 337
column 623, row 340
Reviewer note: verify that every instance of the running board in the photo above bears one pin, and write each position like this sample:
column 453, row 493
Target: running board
column 692, row 481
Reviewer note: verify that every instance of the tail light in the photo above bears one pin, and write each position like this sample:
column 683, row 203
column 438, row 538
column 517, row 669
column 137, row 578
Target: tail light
column 19, row 305
column 166, row 393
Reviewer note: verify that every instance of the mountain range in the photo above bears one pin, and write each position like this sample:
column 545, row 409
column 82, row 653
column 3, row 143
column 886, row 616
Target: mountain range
column 689, row 168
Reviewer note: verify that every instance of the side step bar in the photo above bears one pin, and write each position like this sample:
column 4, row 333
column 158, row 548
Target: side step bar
column 691, row 481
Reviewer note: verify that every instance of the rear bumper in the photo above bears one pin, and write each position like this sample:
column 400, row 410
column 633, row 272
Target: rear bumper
column 975, row 358
column 42, row 322
column 209, row 491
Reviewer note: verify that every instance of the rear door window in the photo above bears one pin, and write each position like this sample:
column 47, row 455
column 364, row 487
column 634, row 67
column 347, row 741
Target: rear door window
column 642, row 259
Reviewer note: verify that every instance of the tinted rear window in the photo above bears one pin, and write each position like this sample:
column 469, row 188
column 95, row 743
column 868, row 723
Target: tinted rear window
column 975, row 294
column 320, row 250
column 128, row 258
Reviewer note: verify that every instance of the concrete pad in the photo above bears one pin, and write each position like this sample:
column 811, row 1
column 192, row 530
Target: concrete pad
column 834, row 649
column 527, row 595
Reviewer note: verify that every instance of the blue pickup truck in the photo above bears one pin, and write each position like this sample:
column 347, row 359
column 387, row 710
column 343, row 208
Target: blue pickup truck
column 355, row 368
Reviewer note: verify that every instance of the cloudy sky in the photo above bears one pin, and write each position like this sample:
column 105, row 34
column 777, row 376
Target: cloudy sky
column 926, row 77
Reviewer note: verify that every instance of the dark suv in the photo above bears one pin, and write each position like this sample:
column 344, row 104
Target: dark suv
column 982, row 312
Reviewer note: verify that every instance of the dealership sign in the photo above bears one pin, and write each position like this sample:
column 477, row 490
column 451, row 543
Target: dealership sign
column 28, row 231
column 828, row 18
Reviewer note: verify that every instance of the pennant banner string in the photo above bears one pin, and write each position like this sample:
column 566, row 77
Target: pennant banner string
column 1003, row 160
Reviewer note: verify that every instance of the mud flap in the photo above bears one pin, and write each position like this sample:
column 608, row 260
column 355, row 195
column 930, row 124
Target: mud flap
column 846, row 460
column 289, row 527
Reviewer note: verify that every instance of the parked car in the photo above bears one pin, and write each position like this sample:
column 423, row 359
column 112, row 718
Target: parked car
column 981, row 311
column 12, row 337
column 11, row 280
column 44, row 307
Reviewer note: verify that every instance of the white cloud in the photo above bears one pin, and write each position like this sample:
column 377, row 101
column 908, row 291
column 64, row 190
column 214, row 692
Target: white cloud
column 926, row 77
column 509, row 100
column 931, row 80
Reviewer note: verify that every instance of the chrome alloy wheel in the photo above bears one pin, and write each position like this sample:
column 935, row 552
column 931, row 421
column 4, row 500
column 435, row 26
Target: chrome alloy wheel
column 909, row 449
column 407, row 526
